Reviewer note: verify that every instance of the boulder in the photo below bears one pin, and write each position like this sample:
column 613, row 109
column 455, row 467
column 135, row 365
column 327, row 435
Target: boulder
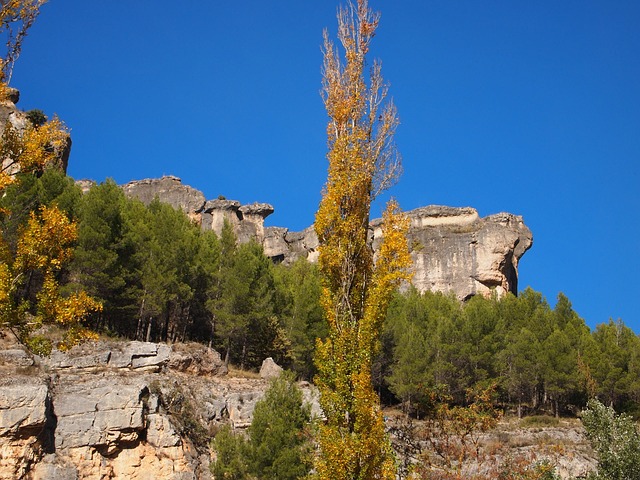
column 168, row 189
column 196, row 359
column 270, row 369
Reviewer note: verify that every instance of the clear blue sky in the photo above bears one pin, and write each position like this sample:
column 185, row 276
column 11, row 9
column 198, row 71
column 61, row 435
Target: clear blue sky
column 527, row 107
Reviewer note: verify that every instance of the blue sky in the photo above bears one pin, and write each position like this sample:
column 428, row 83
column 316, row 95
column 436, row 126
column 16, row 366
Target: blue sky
column 527, row 107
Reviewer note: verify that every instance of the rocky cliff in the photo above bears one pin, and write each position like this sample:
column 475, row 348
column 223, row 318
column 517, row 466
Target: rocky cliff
column 130, row 410
column 453, row 249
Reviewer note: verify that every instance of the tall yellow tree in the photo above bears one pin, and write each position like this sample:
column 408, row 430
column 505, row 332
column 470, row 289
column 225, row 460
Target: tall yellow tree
column 363, row 162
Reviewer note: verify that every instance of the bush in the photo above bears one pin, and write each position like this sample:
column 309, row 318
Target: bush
column 277, row 447
column 36, row 117
column 230, row 462
column 616, row 441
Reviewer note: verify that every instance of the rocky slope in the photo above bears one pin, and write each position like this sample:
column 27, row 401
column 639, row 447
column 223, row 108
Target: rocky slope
column 453, row 249
column 140, row 411
column 130, row 410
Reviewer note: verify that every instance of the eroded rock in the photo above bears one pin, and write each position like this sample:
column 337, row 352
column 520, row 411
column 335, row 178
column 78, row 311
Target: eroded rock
column 453, row 249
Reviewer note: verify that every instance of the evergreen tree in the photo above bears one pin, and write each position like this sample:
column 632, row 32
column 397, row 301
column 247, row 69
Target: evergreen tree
column 99, row 263
column 298, row 302
column 278, row 446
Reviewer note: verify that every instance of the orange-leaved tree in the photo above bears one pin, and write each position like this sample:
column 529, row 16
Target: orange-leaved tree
column 29, row 270
column 30, row 267
column 363, row 161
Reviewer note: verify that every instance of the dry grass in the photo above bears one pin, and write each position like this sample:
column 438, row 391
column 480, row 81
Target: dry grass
column 235, row 372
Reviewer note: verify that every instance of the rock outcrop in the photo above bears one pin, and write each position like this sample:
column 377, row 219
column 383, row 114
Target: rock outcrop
column 133, row 410
column 453, row 249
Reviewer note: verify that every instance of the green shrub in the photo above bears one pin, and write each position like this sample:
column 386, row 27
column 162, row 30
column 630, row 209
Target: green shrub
column 277, row 447
column 230, row 462
column 36, row 117
column 615, row 439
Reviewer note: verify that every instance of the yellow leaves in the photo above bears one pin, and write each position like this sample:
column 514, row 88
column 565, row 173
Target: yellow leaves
column 47, row 241
column 42, row 145
column 31, row 149
column 44, row 246
column 362, row 161
column 65, row 311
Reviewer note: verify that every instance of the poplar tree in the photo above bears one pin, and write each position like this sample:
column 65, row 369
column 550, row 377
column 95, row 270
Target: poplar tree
column 363, row 162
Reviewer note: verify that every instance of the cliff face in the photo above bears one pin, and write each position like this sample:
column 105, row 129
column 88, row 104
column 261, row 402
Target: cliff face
column 130, row 410
column 453, row 249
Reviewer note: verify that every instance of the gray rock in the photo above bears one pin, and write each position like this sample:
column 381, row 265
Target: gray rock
column 158, row 358
column 240, row 407
column 17, row 357
column 96, row 414
column 52, row 469
column 160, row 432
column 196, row 359
column 113, row 355
column 24, row 406
column 453, row 250
column 13, row 95
column 168, row 189
column 258, row 210
column 270, row 369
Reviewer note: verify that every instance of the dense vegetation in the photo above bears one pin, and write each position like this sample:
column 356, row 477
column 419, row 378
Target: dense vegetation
column 159, row 277
column 101, row 262
column 541, row 358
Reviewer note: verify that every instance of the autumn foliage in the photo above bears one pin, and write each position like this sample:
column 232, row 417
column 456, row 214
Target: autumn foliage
column 31, row 266
column 29, row 291
column 356, row 292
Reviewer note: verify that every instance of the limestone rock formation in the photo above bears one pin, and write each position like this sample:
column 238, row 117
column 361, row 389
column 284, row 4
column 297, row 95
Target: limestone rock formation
column 167, row 189
column 453, row 249
column 118, row 410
